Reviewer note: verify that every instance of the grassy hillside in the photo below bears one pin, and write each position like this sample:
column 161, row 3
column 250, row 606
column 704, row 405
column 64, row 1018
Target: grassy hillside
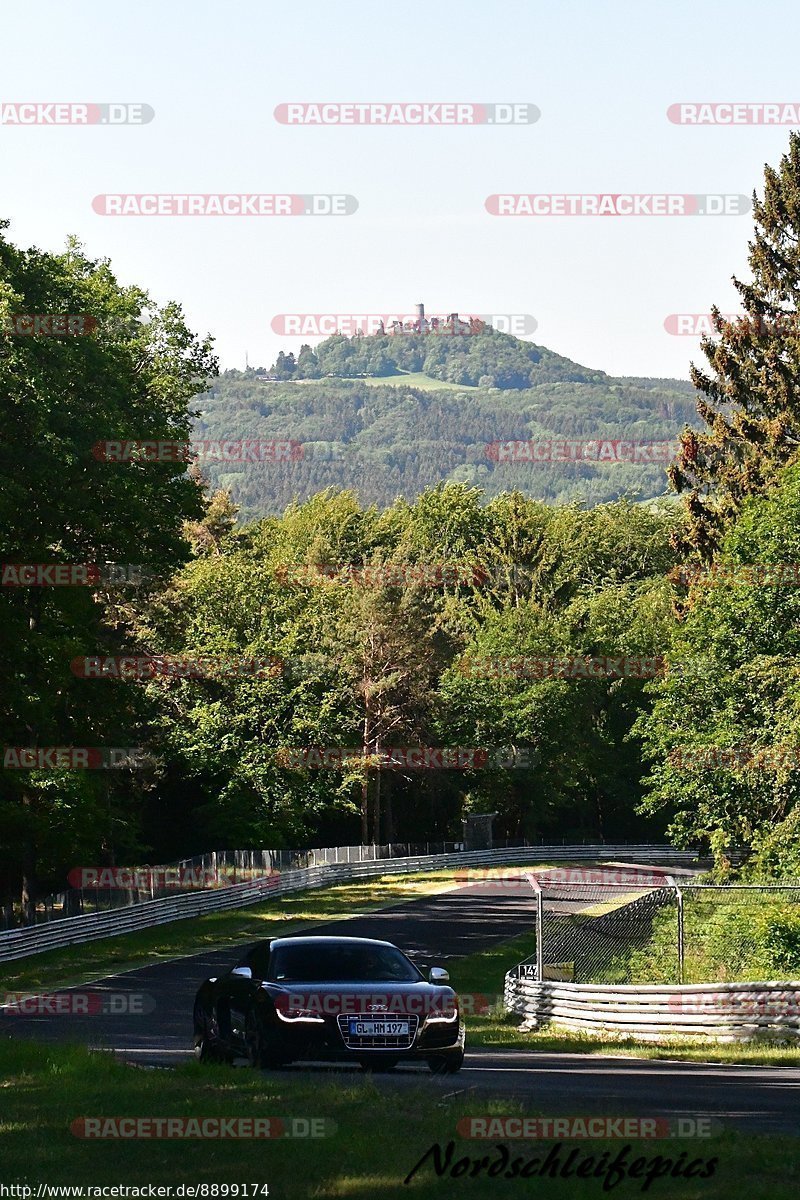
column 417, row 379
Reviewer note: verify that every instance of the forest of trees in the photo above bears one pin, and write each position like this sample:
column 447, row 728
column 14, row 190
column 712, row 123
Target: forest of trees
column 390, row 440
column 352, row 623
column 481, row 358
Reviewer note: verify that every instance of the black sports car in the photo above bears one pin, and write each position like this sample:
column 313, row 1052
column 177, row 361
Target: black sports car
column 329, row 998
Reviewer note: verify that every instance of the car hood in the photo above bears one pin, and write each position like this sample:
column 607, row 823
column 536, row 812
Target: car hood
column 331, row 999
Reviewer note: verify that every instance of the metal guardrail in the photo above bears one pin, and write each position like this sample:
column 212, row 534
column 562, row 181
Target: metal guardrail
column 214, row 868
column 20, row 943
column 724, row 1012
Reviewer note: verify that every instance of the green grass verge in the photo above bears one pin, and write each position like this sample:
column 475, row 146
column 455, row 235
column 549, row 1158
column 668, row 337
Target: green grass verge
column 375, row 1135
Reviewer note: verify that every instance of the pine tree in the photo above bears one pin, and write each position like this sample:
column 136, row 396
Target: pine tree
column 750, row 397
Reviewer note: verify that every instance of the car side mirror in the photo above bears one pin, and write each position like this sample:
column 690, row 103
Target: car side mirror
column 438, row 975
column 242, row 972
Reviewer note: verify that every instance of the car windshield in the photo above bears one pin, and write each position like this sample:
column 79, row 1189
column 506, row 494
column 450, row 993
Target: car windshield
column 335, row 962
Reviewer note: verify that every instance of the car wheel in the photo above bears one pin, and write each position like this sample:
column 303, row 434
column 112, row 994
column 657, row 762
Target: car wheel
column 446, row 1064
column 378, row 1064
column 260, row 1053
column 254, row 1040
column 202, row 1047
column 205, row 1049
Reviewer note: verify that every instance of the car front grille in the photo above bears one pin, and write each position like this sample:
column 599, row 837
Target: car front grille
column 401, row 1042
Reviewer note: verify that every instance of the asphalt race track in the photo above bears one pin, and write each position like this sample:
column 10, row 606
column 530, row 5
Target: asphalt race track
column 431, row 930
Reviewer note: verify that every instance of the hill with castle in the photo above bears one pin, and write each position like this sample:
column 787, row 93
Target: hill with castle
column 393, row 412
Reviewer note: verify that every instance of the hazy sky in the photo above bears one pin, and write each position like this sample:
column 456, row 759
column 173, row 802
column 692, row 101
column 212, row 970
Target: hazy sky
column 602, row 72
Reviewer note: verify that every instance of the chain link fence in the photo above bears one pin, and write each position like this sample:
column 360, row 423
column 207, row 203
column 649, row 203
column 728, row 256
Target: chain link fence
column 663, row 930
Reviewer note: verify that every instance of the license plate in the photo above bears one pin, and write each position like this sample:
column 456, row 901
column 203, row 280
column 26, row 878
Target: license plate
column 378, row 1028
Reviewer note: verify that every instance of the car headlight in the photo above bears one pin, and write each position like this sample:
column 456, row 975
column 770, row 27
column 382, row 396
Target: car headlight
column 296, row 1016
column 446, row 1017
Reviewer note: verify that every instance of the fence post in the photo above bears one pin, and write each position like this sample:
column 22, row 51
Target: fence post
column 680, row 935
column 539, row 935
column 534, row 882
column 679, row 898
